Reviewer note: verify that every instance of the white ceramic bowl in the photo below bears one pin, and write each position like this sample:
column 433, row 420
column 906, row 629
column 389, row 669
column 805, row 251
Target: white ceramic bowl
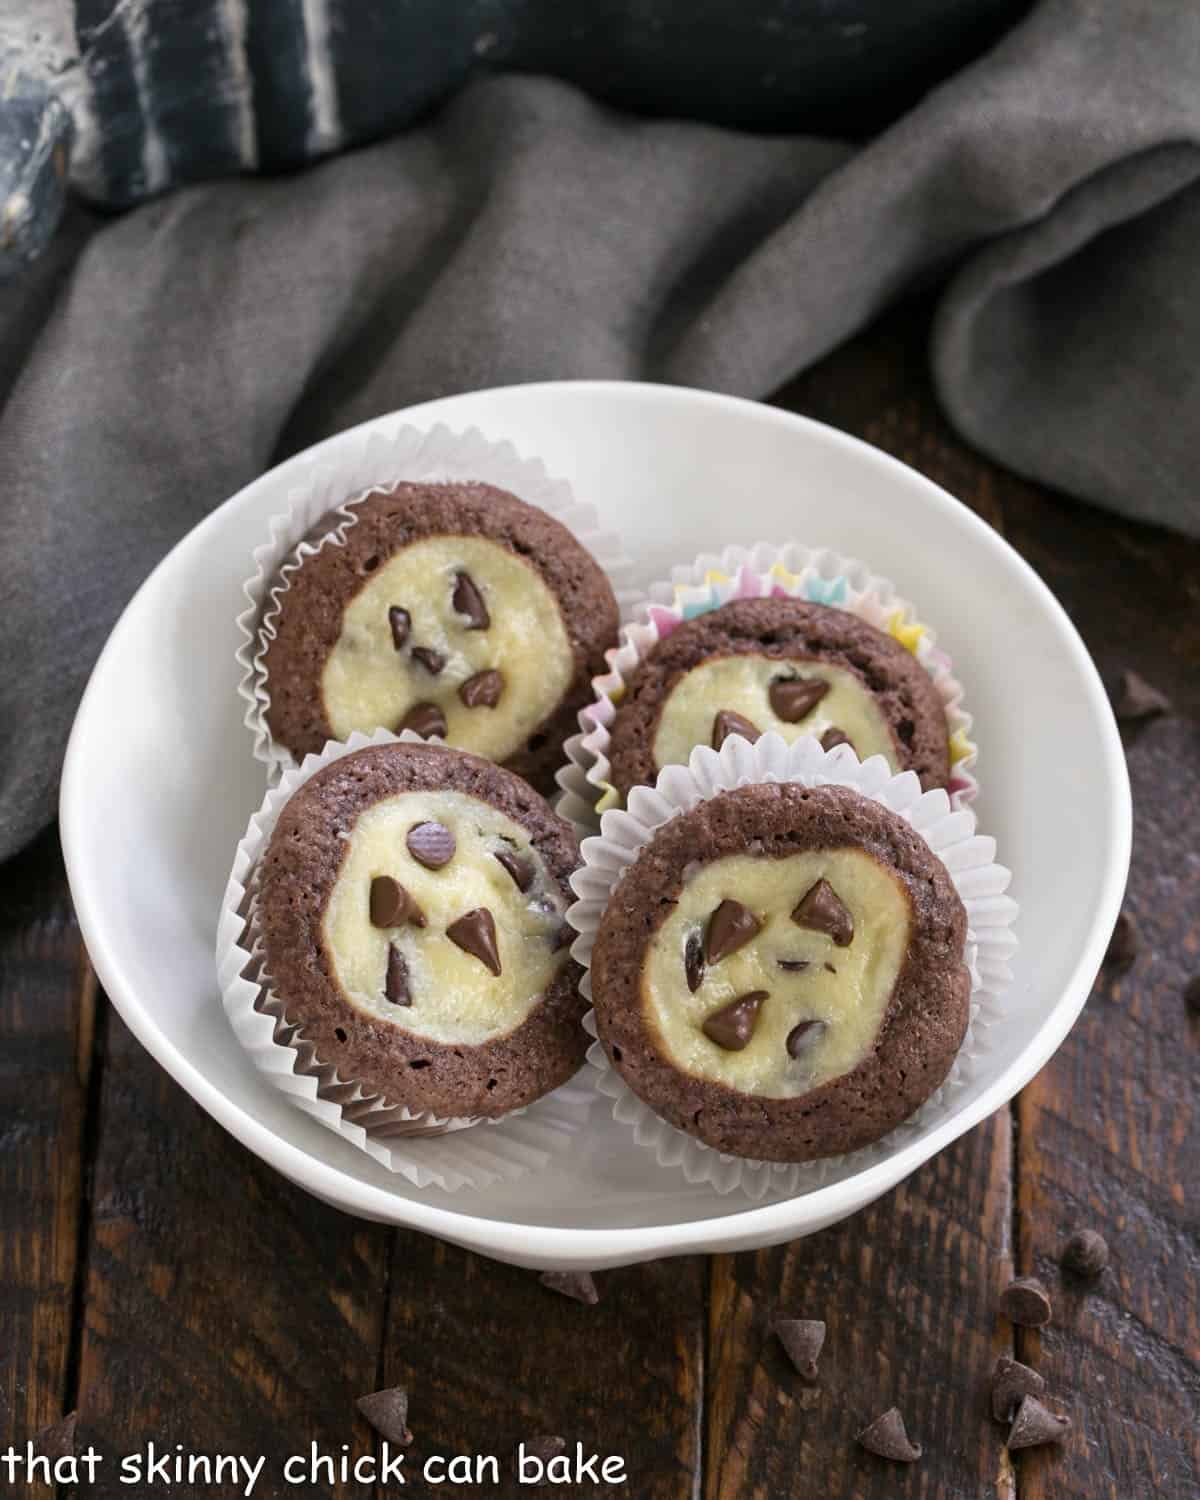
column 159, row 783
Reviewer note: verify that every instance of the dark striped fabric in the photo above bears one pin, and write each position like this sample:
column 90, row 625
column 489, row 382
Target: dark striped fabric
column 153, row 362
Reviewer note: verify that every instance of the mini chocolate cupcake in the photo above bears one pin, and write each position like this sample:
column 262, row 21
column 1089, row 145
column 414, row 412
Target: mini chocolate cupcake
column 783, row 664
column 409, row 912
column 454, row 610
column 780, row 973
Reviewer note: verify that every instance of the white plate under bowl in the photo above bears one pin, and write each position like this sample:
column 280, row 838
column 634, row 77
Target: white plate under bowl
column 159, row 783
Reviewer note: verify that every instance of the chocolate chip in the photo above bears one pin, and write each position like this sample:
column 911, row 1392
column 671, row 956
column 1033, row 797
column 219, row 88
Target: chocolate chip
column 483, row 690
column 424, row 719
column 887, row 1437
column 829, row 968
column 401, row 622
column 387, row 1412
column 794, row 965
column 57, row 1439
column 730, row 927
column 475, row 933
column 802, row 1340
column 804, row 1036
column 395, row 986
column 834, row 737
column 391, row 904
column 433, row 661
column 693, row 961
column 468, row 601
column 578, row 1285
column 1191, row 996
column 793, row 697
column 1011, row 1383
column 1085, row 1253
column 726, row 722
column 520, row 869
column 732, row 1026
column 1137, row 699
column 1034, row 1424
column 543, row 1449
column 1123, row 945
column 820, row 910
column 431, row 844
column 1025, row 1301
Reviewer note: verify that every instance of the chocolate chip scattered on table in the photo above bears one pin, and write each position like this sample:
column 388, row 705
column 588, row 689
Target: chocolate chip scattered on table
column 57, row 1439
column 1138, row 699
column 1026, row 1302
column 1035, row 1424
column 802, row 1340
column 544, row 1447
column 578, row 1285
column 387, row 1412
column 1123, row 945
column 888, row 1437
column 1012, row 1381
column 1085, row 1253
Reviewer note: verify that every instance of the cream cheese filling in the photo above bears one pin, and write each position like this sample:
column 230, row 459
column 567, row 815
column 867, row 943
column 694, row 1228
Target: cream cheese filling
column 847, row 988
column 455, row 999
column 368, row 681
column 742, row 684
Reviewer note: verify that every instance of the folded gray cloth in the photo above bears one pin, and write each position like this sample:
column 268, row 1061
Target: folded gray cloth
column 525, row 233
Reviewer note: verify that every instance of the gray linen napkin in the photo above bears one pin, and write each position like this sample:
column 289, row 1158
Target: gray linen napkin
column 525, row 233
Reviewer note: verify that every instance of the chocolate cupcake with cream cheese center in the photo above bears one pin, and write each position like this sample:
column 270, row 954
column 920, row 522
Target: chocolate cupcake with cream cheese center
column 781, row 972
column 453, row 610
column 410, row 906
column 781, row 664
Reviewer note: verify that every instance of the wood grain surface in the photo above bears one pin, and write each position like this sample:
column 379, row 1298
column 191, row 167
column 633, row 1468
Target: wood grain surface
column 162, row 1279
column 47, row 1004
column 493, row 1358
column 1110, row 1130
column 1108, row 1134
column 905, row 1290
column 224, row 1308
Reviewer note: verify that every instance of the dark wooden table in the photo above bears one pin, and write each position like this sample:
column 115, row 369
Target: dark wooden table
column 163, row 1281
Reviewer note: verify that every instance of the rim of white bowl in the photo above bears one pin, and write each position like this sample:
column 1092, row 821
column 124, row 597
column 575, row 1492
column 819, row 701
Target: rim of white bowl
column 582, row 1246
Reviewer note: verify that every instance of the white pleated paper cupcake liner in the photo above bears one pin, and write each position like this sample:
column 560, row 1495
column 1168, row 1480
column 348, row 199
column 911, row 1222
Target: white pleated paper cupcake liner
column 817, row 575
column 321, row 509
column 950, row 833
column 423, row 1148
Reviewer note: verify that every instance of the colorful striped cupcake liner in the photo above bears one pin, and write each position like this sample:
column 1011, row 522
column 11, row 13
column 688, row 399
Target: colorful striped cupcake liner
column 817, row 575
